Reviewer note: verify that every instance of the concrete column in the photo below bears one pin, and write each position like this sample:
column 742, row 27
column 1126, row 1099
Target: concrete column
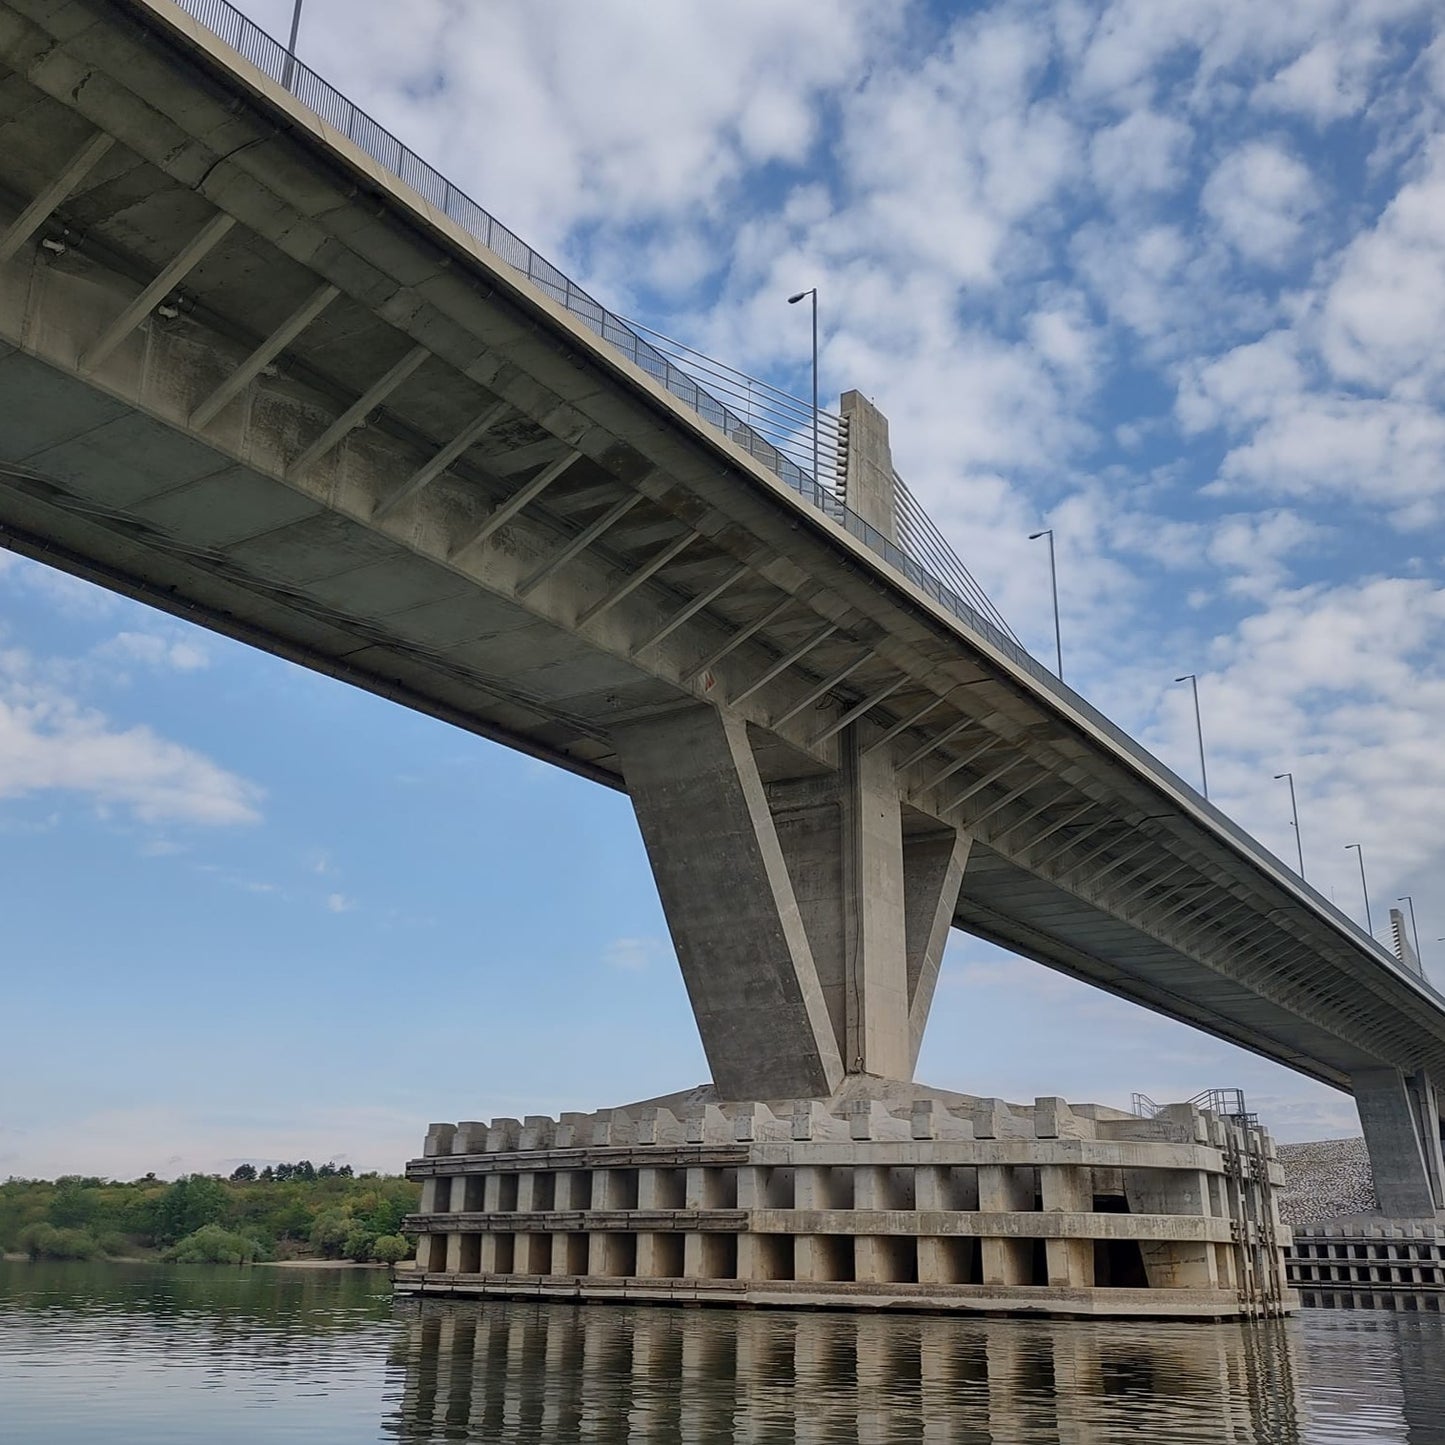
column 1004, row 1259
column 751, row 1262
column 730, row 906
column 933, row 1258
column 808, row 1263
column 694, row 1257
column 872, row 1262
column 527, row 1190
column 1066, row 1189
column 933, row 867
column 1426, row 1101
column 454, row 1254
column 559, row 1254
column 1173, row 1263
column 868, row 486
column 1404, row 1161
column 605, row 1255
column 603, row 1188
column 649, row 1256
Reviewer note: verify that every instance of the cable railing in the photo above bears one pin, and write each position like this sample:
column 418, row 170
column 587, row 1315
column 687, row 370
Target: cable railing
column 919, row 537
column 268, row 55
column 784, row 419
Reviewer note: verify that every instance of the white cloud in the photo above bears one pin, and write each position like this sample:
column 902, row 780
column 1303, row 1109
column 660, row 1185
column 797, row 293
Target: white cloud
column 170, row 1141
column 635, row 955
column 1260, row 197
column 50, row 741
column 1327, row 82
column 339, row 903
column 1384, row 313
column 181, row 654
column 1144, row 154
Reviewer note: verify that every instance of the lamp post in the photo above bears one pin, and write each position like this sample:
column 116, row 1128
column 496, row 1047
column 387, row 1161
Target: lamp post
column 1364, row 887
column 1294, row 810
column 1054, row 582
column 1413, row 929
column 291, row 45
column 1193, row 681
column 793, row 301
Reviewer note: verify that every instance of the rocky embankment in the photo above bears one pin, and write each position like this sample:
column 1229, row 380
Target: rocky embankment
column 1325, row 1179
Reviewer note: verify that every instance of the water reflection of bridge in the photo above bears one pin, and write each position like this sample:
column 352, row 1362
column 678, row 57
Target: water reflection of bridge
column 523, row 1372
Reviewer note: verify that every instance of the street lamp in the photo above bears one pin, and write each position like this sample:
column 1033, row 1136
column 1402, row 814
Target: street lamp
column 1299, row 846
column 1413, row 929
column 291, row 45
column 1193, row 681
column 1054, row 581
column 793, row 301
column 1364, row 887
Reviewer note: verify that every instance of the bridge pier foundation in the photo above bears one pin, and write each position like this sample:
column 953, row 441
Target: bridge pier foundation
column 1400, row 1119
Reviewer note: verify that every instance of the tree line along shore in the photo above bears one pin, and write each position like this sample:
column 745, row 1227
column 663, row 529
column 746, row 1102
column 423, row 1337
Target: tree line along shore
column 276, row 1213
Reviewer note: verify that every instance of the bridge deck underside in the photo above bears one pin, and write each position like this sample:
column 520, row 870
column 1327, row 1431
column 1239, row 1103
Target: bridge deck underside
column 246, row 376
column 1032, row 917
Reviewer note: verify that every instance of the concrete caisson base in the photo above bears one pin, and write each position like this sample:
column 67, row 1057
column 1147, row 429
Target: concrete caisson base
column 1372, row 1256
column 883, row 1196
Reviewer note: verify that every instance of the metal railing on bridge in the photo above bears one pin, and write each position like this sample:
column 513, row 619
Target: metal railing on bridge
column 270, row 56
column 775, row 428
column 1227, row 1103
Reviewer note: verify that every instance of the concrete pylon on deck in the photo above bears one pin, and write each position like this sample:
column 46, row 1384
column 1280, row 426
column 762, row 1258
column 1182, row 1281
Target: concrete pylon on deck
column 1400, row 1119
column 808, row 930
column 868, row 485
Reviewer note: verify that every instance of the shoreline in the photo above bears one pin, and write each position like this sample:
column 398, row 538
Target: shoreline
column 14, row 1257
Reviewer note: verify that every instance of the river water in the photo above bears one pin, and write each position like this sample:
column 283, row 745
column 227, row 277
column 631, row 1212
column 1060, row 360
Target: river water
column 124, row 1354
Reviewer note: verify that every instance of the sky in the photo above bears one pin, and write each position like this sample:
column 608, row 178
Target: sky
column 1167, row 278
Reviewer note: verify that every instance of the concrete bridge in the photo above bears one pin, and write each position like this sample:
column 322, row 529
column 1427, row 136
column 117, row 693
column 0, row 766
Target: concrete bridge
column 290, row 385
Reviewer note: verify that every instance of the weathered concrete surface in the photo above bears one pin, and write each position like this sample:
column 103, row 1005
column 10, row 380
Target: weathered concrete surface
column 1400, row 1118
column 869, row 488
column 851, row 1200
column 730, row 905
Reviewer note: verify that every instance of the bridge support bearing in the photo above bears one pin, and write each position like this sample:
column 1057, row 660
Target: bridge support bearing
column 1400, row 1119
column 882, row 1195
column 809, row 929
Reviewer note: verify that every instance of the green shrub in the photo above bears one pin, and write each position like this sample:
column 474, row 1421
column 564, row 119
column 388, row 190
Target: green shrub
column 359, row 1244
column 45, row 1241
column 391, row 1249
column 211, row 1244
column 330, row 1231
column 192, row 1202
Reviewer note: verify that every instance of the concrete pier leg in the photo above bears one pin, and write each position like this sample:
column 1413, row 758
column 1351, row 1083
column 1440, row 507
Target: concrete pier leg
column 842, row 840
column 808, row 928
column 933, row 874
column 730, row 905
column 1404, row 1148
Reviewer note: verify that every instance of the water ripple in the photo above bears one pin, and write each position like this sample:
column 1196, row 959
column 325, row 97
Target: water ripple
column 115, row 1355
